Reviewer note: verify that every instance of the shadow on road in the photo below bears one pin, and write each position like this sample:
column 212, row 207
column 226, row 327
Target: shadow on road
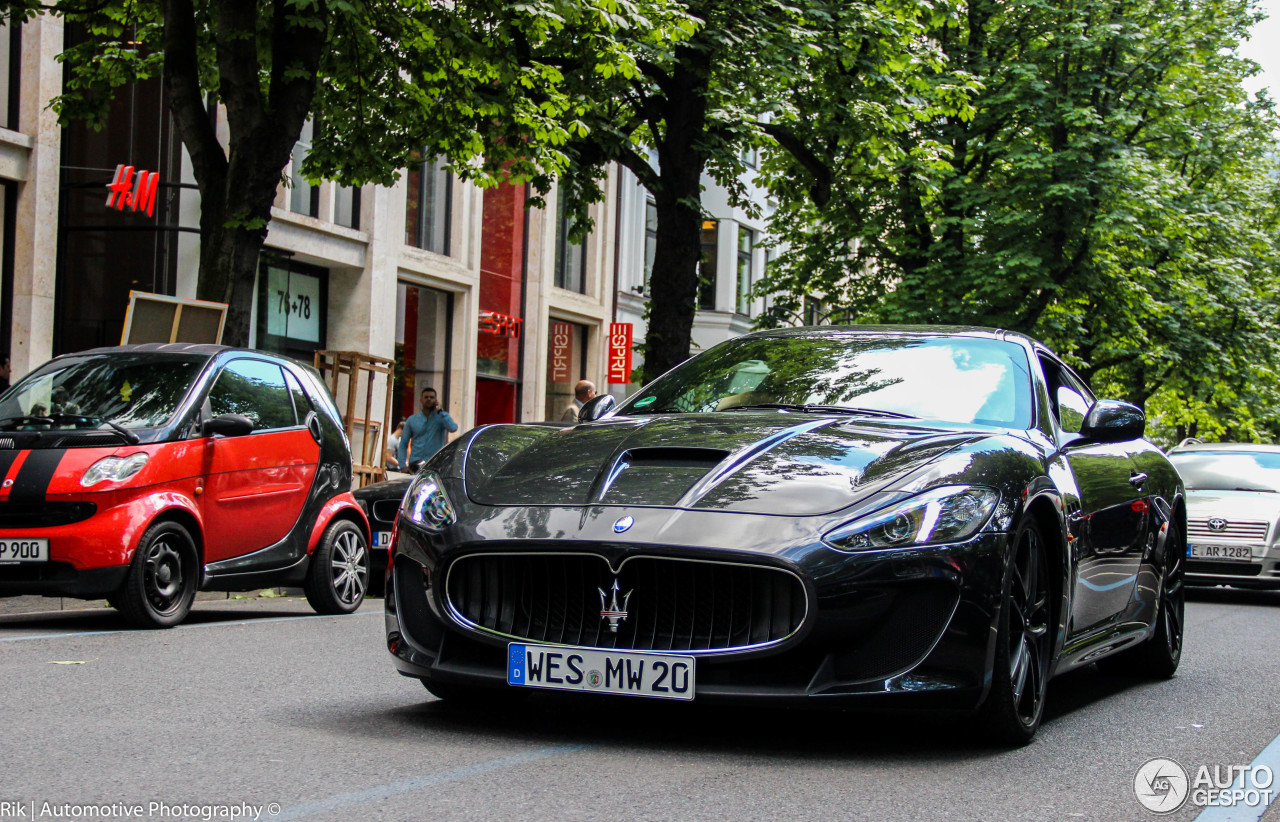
column 108, row 619
column 833, row 734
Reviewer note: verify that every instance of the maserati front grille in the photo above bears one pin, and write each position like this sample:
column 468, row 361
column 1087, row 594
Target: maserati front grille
column 651, row 604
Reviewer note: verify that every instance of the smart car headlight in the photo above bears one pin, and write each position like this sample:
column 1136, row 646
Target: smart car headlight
column 951, row 513
column 116, row 469
column 427, row 504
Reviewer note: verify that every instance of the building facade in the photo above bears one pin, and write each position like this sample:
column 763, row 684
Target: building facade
column 467, row 290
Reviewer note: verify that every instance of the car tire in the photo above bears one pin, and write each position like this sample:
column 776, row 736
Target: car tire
column 463, row 695
column 1014, row 706
column 162, row 579
column 1157, row 656
column 339, row 573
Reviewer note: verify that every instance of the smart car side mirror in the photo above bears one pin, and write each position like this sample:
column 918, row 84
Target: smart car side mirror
column 228, row 425
column 1113, row 421
column 596, row 407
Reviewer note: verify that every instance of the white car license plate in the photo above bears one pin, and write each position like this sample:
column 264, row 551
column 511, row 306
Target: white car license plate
column 382, row 539
column 608, row 672
column 24, row 550
column 1239, row 553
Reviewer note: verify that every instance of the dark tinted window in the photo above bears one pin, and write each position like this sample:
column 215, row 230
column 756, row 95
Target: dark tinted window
column 255, row 389
column 301, row 402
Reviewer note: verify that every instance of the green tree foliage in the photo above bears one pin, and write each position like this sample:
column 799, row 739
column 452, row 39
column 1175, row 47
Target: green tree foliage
column 1111, row 191
column 683, row 94
column 382, row 81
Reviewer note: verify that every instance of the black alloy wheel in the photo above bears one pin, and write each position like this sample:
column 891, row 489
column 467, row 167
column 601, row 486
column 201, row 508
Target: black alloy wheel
column 162, row 579
column 1157, row 657
column 1020, row 680
column 339, row 573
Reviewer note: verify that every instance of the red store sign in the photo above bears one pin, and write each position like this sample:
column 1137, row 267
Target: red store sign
column 620, row 353
column 134, row 189
column 561, row 351
column 501, row 325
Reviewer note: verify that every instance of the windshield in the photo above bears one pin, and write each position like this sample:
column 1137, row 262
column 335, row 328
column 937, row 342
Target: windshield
column 1228, row 470
column 957, row 379
column 130, row 390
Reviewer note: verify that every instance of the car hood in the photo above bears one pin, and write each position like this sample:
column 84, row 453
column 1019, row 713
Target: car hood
column 1233, row 505
column 797, row 464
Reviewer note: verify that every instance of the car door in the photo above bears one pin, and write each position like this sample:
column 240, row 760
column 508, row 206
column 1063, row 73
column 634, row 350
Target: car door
column 1109, row 529
column 256, row 484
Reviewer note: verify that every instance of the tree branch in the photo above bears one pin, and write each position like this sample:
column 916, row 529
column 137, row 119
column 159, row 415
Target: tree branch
column 820, row 191
column 182, row 86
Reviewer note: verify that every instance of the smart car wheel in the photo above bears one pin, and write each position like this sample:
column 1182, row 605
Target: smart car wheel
column 339, row 572
column 1157, row 657
column 1015, row 703
column 161, row 584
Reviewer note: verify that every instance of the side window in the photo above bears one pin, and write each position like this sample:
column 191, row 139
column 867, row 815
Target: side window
column 301, row 402
column 1069, row 398
column 255, row 389
column 1072, row 409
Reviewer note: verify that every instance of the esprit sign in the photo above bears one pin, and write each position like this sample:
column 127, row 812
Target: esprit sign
column 561, row 350
column 620, row 353
column 501, row 325
column 134, row 189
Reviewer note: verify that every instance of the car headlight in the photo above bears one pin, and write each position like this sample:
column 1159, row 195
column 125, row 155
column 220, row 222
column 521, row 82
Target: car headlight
column 427, row 504
column 952, row 513
column 116, row 469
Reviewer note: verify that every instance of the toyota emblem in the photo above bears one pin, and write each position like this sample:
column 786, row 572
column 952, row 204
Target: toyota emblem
column 1217, row 524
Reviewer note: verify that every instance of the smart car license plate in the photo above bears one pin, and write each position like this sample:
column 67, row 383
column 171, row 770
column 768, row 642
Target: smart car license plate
column 24, row 550
column 382, row 539
column 1239, row 553
column 607, row 672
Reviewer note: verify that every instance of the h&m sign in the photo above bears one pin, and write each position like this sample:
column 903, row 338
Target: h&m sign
column 134, row 189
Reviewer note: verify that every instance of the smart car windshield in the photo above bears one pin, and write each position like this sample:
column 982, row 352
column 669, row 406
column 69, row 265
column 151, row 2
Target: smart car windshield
column 139, row 390
column 957, row 379
column 1229, row 470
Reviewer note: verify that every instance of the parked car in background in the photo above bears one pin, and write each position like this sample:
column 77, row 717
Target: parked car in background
column 144, row 473
column 1233, row 508
column 879, row 518
column 380, row 502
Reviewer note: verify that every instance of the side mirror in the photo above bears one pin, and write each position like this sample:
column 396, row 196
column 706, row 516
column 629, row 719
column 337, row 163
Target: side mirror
column 596, row 408
column 1114, row 421
column 228, row 425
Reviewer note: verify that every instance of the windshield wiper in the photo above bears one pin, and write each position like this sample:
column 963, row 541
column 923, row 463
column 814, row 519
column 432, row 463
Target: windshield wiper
column 822, row 409
column 1259, row 490
column 128, row 435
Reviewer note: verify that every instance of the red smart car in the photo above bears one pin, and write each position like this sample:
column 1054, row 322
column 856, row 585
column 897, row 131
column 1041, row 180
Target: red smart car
column 144, row 473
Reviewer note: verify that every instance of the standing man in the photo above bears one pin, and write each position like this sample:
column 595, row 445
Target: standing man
column 428, row 430
column 582, row 392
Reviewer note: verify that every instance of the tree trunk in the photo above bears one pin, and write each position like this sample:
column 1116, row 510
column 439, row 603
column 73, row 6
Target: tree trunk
column 678, row 248
column 228, row 268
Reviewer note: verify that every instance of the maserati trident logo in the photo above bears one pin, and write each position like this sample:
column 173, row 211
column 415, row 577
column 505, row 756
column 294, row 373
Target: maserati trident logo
column 610, row 610
column 1218, row 524
column 623, row 524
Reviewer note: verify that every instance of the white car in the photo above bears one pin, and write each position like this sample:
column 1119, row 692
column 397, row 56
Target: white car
column 1233, row 506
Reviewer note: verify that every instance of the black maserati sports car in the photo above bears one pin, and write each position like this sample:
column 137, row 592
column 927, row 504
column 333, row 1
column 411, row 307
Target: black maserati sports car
column 871, row 517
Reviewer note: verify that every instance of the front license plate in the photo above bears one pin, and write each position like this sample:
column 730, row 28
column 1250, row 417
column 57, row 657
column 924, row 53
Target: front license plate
column 382, row 539
column 1240, row 553
column 607, row 672
column 24, row 550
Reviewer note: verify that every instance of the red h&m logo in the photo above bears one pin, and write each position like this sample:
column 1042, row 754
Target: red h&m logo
column 135, row 190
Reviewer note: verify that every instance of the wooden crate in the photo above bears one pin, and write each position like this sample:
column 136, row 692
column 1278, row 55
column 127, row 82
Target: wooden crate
column 352, row 375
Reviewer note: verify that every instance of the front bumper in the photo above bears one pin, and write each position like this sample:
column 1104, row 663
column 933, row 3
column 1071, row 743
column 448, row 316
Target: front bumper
column 1264, row 574
column 908, row 629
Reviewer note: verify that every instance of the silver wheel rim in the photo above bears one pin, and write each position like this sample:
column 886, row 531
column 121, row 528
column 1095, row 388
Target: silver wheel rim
column 350, row 577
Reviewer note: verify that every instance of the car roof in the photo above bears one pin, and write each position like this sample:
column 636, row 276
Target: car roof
column 897, row 331
column 1242, row 447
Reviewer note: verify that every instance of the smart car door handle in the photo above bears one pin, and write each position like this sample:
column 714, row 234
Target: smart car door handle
column 1137, row 479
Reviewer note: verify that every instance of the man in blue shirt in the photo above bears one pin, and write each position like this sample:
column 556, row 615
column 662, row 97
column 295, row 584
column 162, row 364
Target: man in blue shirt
column 428, row 431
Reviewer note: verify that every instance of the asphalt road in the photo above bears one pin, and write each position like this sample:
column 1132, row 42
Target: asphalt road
column 260, row 702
